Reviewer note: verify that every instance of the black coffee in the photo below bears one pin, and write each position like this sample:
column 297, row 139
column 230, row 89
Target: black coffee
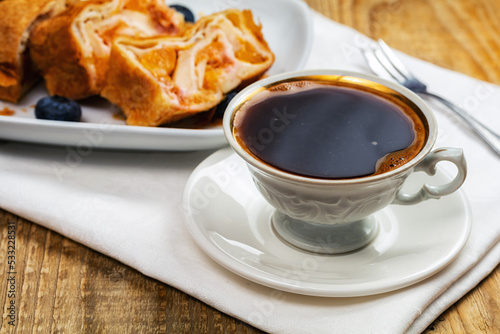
column 327, row 130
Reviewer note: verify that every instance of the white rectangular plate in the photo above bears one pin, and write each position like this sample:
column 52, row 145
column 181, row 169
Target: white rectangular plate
column 287, row 27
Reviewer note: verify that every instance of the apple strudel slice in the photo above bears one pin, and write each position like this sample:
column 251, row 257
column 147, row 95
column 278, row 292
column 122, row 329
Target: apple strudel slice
column 71, row 50
column 164, row 79
column 19, row 17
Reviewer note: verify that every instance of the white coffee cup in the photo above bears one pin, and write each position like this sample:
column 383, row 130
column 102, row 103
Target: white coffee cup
column 333, row 216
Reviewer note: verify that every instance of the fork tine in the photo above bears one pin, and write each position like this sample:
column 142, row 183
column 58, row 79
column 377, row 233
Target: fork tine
column 395, row 61
column 388, row 66
column 379, row 64
column 374, row 64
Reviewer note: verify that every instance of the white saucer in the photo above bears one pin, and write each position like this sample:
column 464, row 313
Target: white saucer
column 229, row 220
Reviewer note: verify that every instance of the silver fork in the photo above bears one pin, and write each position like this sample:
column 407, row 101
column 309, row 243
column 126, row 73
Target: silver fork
column 383, row 62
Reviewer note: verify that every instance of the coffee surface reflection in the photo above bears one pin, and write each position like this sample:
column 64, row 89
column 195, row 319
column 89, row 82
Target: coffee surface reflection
column 329, row 130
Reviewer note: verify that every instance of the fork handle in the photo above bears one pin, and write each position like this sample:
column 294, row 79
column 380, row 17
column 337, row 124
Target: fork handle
column 486, row 134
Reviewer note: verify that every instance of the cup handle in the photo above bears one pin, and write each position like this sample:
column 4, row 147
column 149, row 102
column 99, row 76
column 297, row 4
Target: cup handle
column 428, row 165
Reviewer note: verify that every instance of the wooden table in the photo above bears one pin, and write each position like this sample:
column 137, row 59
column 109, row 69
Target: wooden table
column 65, row 287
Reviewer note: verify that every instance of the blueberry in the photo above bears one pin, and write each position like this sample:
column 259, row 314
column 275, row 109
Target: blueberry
column 188, row 14
column 58, row 108
column 221, row 107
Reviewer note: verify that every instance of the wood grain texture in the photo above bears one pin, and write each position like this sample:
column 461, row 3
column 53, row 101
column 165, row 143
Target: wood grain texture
column 64, row 287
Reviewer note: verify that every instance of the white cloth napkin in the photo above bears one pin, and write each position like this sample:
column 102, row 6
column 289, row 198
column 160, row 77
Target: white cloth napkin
column 127, row 205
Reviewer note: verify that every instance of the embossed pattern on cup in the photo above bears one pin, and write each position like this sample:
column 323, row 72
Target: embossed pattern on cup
column 327, row 205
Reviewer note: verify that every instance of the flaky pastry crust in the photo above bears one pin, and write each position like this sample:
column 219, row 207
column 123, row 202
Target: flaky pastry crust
column 158, row 80
column 19, row 17
column 71, row 50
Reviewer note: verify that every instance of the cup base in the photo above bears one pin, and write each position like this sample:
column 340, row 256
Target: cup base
column 324, row 238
